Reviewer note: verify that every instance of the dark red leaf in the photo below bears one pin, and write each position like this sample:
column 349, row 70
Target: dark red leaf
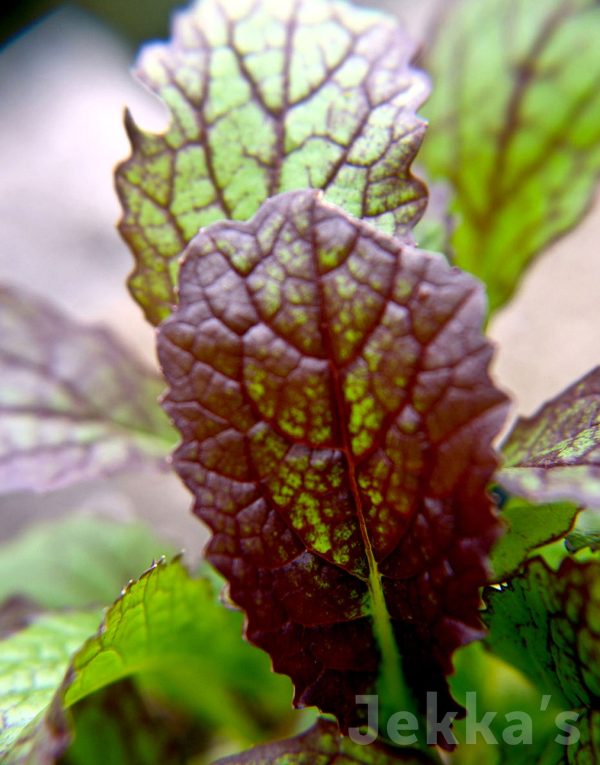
column 330, row 385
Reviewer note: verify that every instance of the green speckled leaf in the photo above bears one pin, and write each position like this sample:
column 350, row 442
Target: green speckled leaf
column 323, row 745
column 266, row 97
column 555, row 454
column 514, row 127
column 75, row 404
column 528, row 526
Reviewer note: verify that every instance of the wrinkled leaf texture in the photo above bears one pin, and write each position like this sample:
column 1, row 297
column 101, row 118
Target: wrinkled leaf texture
column 267, row 97
column 74, row 403
column 330, row 385
column 555, row 454
column 514, row 121
column 161, row 628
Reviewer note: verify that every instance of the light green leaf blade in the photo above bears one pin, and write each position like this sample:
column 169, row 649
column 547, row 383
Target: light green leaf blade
column 76, row 561
column 74, row 403
column 528, row 526
column 268, row 97
column 555, row 454
column 502, row 689
column 167, row 631
column 33, row 663
column 514, row 127
column 169, row 625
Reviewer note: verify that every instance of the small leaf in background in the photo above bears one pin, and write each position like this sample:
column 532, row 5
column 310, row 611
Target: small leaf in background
column 546, row 623
column 555, row 454
column 32, row 665
column 320, row 745
column 74, row 403
column 267, row 97
column 166, row 626
column 514, row 127
column 528, row 527
column 76, row 561
column 330, row 384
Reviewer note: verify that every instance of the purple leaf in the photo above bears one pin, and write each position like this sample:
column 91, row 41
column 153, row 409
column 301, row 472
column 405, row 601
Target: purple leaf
column 555, row 454
column 330, row 385
column 74, row 403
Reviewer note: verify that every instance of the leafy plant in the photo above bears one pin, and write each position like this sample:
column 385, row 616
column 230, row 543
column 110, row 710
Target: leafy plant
column 329, row 382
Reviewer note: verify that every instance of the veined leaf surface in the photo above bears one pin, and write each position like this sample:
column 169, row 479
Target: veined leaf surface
column 167, row 625
column 547, row 624
column 514, row 127
column 555, row 454
column 74, row 403
column 330, row 385
column 266, row 97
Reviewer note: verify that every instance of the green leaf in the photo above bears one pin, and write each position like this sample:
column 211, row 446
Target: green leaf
column 163, row 624
column 555, row 454
column 514, row 127
column 168, row 631
column 33, row 663
column 74, row 403
column 323, row 745
column 266, row 97
column 502, row 689
column 528, row 526
column 547, row 624
column 76, row 561
column 586, row 534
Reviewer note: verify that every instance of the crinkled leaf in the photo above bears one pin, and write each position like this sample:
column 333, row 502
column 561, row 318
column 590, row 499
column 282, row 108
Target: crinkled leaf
column 547, row 624
column 167, row 623
column 32, row 665
column 76, row 561
column 514, row 127
column 330, row 385
column 528, row 526
column 323, row 745
column 555, row 454
column 74, row 403
column 266, row 97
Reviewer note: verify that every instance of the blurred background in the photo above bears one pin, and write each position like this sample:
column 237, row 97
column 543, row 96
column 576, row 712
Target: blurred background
column 64, row 83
